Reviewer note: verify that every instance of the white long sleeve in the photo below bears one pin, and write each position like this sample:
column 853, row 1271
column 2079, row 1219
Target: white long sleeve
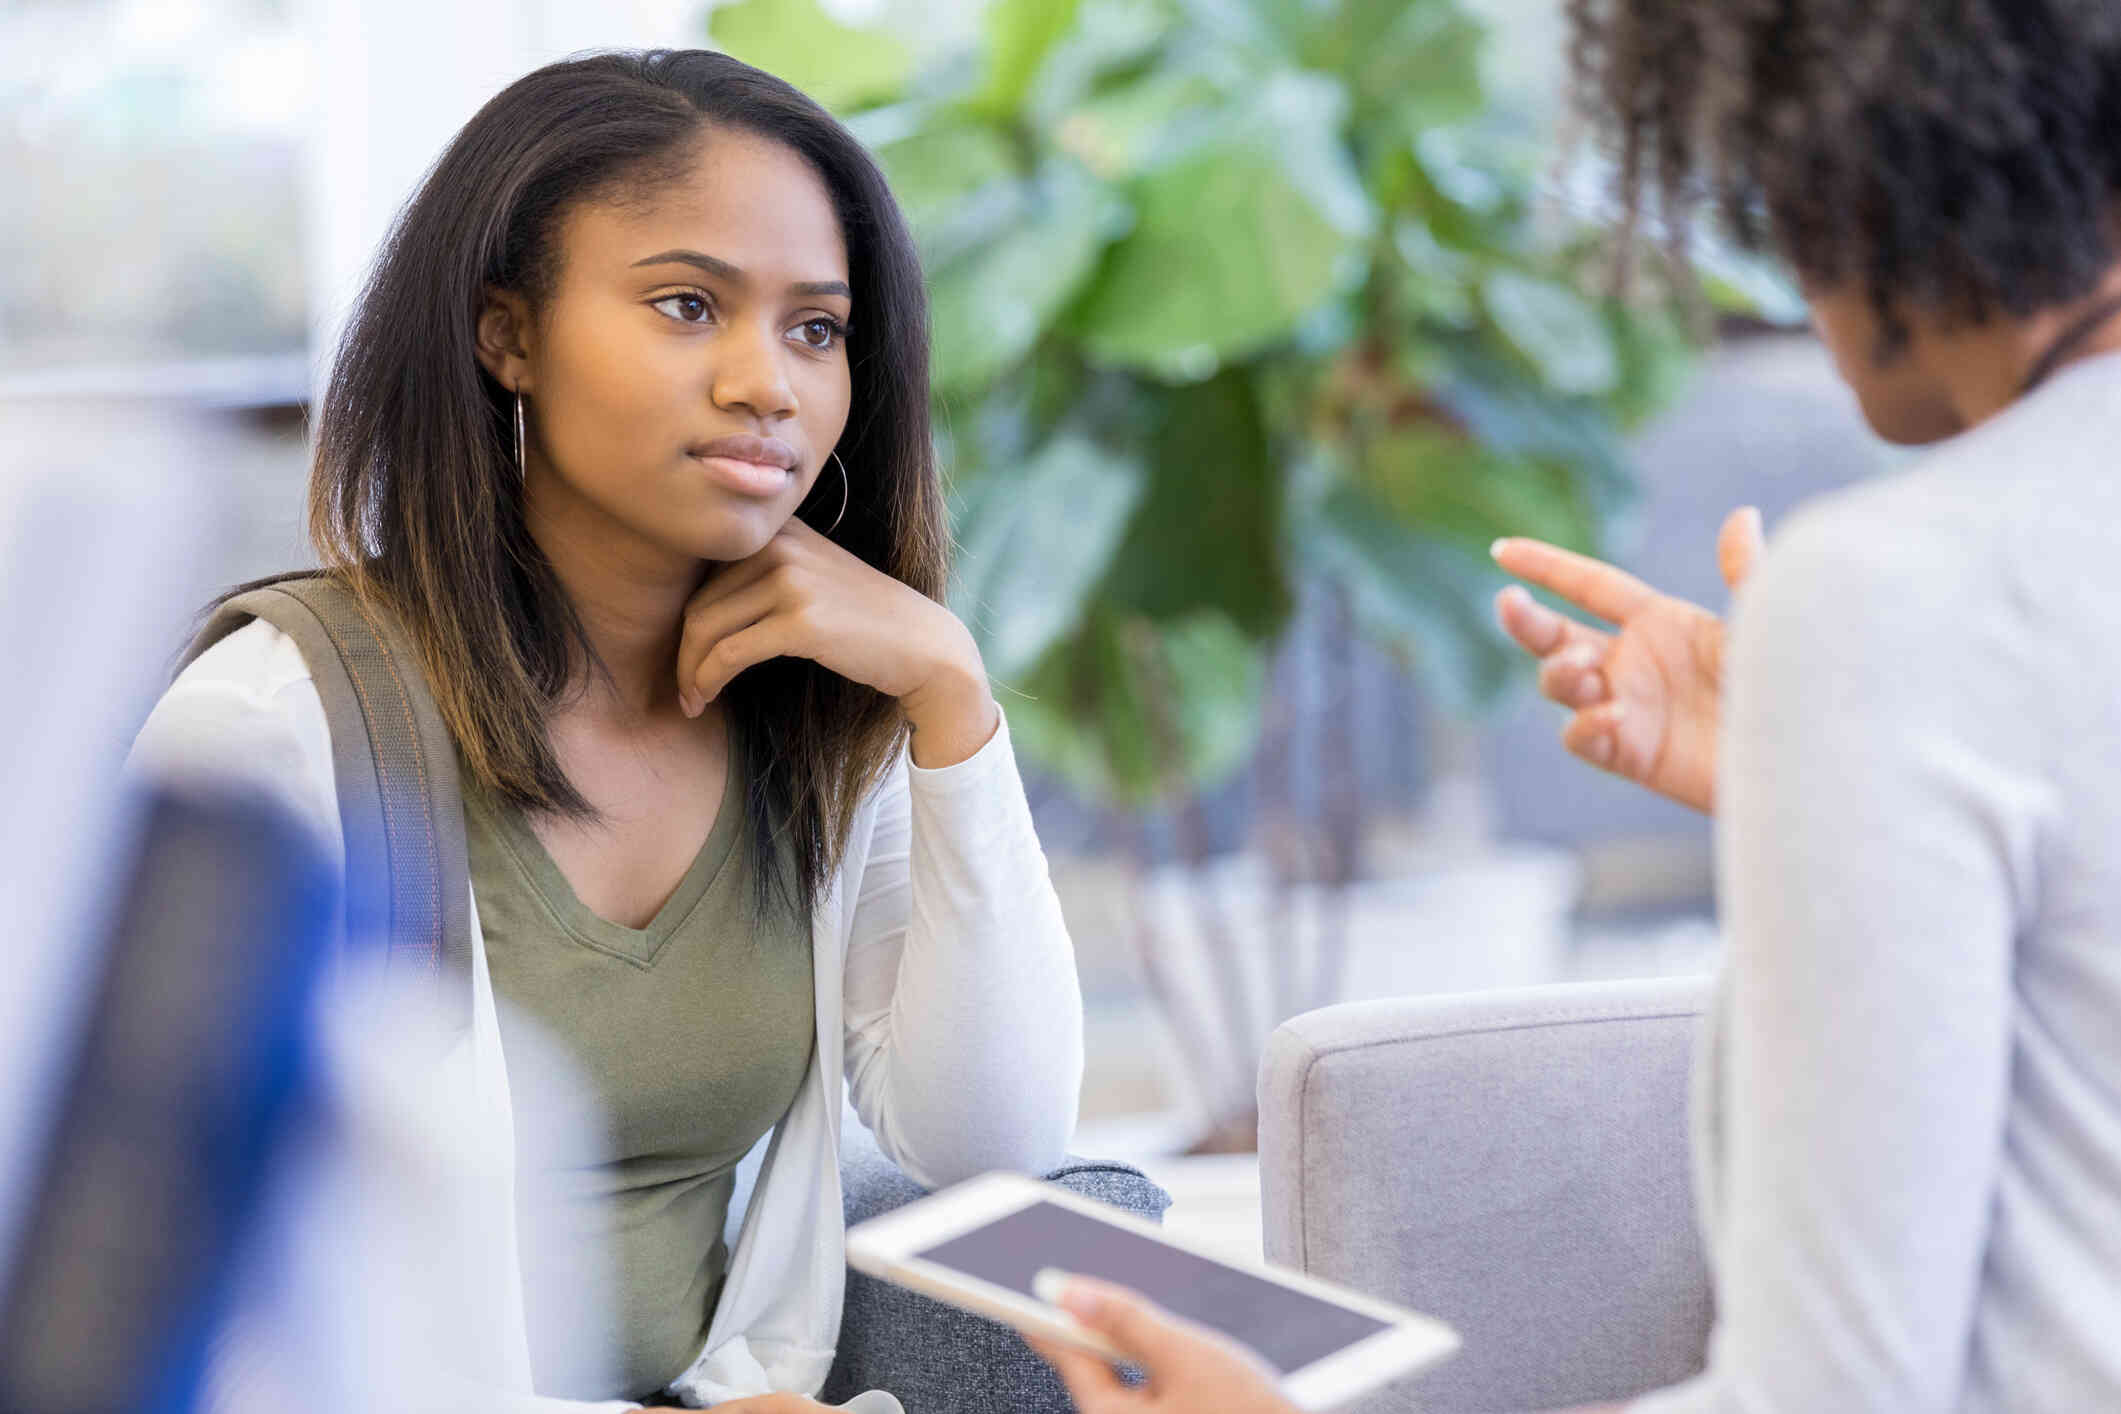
column 963, row 1010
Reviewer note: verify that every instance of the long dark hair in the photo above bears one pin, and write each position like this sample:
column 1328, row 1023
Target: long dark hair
column 413, row 495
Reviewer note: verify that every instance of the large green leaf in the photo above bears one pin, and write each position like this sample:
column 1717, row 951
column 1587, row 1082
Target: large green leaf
column 1423, row 595
column 1032, row 543
column 836, row 64
column 1208, row 535
column 1462, row 490
column 1656, row 361
column 1020, row 33
column 990, row 306
column 1118, row 131
column 1472, row 182
column 1560, row 332
column 1238, row 237
column 1509, row 411
column 1130, row 711
column 1420, row 57
column 1743, row 282
column 1112, row 42
column 935, row 170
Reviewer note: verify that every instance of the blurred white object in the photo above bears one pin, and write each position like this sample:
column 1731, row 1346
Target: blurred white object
column 375, row 1283
column 106, row 517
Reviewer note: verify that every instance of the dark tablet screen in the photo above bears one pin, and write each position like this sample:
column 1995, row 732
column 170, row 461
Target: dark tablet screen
column 1288, row 1328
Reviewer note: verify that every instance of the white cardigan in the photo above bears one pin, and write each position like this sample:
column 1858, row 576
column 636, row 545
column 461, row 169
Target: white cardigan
column 945, row 986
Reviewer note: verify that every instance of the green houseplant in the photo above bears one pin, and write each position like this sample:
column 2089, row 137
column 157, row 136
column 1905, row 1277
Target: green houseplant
column 1232, row 297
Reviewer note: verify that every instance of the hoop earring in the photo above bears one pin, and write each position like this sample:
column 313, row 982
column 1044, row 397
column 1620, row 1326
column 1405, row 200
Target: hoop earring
column 519, row 437
column 843, row 495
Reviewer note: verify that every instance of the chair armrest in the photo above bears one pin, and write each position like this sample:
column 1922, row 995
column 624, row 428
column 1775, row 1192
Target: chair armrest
column 936, row 1358
column 1512, row 1162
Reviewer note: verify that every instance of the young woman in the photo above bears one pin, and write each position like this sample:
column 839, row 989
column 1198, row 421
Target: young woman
column 630, row 433
column 1909, row 1141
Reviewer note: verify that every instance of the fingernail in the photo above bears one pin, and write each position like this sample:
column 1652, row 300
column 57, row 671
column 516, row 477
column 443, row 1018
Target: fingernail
column 1058, row 1288
column 1590, row 689
column 690, row 704
column 1050, row 1285
column 1495, row 550
column 1601, row 750
column 1081, row 1304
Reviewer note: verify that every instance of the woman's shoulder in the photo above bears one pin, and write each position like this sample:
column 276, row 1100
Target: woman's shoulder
column 256, row 658
column 245, row 711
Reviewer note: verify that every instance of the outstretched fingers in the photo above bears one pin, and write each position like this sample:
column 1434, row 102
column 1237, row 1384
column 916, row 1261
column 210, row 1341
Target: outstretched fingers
column 1539, row 630
column 1592, row 585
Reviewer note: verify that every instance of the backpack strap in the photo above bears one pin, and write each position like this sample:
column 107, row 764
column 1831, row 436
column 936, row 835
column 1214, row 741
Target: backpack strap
column 395, row 765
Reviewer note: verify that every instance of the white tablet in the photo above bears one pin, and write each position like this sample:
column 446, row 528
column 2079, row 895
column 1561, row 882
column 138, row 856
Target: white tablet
column 983, row 1244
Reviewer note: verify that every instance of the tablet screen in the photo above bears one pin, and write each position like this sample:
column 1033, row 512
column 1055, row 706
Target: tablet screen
column 1289, row 1328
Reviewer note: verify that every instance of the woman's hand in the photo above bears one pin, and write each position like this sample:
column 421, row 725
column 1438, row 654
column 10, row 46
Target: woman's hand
column 1190, row 1370
column 1647, row 699
column 805, row 597
column 765, row 1404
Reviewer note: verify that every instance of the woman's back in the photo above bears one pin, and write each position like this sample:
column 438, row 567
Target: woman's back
column 1914, row 1164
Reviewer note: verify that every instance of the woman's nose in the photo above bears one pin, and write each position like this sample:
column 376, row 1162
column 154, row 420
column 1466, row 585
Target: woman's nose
column 751, row 374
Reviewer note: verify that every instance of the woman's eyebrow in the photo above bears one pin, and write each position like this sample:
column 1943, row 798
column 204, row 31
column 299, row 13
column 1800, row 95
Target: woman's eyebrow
column 723, row 270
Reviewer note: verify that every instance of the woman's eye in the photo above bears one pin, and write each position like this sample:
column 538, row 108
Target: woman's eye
column 826, row 332
column 689, row 303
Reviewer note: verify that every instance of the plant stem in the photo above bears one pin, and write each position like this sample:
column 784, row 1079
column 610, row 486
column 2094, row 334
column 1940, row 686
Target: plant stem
column 1160, row 699
column 1342, row 800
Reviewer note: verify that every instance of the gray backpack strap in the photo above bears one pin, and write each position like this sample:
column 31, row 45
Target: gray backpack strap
column 395, row 765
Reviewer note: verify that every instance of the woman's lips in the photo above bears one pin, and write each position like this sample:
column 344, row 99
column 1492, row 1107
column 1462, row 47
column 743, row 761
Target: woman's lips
column 746, row 478
column 748, row 464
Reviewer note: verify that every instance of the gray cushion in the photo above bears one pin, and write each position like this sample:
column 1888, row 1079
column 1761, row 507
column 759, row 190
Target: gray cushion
column 1514, row 1163
column 936, row 1358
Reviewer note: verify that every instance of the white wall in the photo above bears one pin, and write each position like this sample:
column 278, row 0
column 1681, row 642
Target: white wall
column 397, row 78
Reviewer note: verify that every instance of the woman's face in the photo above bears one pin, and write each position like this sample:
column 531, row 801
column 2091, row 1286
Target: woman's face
column 717, row 310
column 1902, row 398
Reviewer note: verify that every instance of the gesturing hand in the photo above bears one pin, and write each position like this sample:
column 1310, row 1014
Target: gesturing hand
column 802, row 596
column 1191, row 1370
column 1648, row 698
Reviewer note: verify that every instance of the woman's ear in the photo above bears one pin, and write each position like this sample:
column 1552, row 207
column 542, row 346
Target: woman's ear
column 502, row 339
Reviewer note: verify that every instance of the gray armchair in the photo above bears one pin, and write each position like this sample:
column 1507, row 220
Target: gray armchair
column 936, row 1358
column 1514, row 1163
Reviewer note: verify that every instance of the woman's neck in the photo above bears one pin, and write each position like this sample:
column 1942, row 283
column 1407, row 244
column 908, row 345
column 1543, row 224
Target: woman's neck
column 631, row 600
column 1984, row 368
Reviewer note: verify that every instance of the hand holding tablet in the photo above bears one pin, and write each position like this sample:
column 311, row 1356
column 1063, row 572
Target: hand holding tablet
column 999, row 1246
column 1188, row 1369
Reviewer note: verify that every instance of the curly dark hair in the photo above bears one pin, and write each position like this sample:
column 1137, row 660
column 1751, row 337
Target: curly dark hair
column 1957, row 157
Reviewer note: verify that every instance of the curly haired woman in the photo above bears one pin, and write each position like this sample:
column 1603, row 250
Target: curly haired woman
column 1908, row 1131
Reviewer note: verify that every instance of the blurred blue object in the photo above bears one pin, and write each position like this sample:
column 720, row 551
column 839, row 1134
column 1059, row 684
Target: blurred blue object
column 190, row 1078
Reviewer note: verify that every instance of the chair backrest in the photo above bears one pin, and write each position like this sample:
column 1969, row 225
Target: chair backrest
column 1514, row 1163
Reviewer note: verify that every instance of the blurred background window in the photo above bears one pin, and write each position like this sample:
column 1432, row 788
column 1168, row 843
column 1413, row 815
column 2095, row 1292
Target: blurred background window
column 152, row 155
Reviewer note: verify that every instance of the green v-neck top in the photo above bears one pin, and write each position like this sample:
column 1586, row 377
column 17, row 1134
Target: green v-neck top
column 693, row 1035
